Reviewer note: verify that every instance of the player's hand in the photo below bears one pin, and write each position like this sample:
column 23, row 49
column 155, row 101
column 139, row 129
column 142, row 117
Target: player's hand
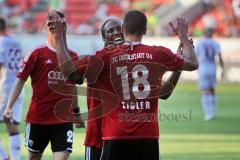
column 78, row 121
column 55, row 24
column 7, row 114
column 181, row 28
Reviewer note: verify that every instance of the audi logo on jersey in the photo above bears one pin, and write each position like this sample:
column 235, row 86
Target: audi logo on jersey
column 55, row 75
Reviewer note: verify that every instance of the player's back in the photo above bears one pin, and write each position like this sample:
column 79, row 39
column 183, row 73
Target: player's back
column 135, row 77
column 11, row 54
column 206, row 50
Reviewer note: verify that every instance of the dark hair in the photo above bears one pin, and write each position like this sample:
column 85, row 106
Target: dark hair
column 61, row 15
column 135, row 22
column 3, row 24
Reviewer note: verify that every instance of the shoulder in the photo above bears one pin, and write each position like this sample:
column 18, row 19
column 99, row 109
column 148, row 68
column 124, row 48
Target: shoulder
column 35, row 51
column 216, row 43
column 72, row 53
column 160, row 49
column 101, row 52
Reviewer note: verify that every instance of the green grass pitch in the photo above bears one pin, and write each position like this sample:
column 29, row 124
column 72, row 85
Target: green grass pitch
column 182, row 137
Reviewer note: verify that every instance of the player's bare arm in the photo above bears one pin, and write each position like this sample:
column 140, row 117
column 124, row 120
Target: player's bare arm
column 221, row 64
column 190, row 59
column 13, row 97
column 66, row 64
column 78, row 121
column 169, row 85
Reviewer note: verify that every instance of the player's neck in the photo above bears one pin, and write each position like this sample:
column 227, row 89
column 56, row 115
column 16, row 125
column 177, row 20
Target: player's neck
column 51, row 43
column 133, row 38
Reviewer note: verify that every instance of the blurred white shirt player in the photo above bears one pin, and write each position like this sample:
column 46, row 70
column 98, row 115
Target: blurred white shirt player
column 10, row 57
column 207, row 50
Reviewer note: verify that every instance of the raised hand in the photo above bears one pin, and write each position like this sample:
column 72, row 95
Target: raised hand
column 181, row 28
column 55, row 24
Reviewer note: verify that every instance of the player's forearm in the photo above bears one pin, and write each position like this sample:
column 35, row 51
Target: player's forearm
column 17, row 89
column 169, row 85
column 221, row 61
column 75, row 97
column 66, row 64
column 190, row 58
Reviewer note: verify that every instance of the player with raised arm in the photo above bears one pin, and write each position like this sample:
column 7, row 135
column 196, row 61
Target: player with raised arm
column 207, row 49
column 43, row 126
column 10, row 57
column 132, row 72
column 112, row 35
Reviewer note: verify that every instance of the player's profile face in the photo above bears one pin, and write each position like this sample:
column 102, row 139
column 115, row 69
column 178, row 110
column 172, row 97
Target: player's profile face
column 113, row 32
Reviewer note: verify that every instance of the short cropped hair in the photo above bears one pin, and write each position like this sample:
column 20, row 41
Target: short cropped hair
column 135, row 22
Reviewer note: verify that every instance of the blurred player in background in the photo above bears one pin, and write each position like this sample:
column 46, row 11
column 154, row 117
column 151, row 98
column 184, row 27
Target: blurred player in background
column 10, row 57
column 124, row 66
column 42, row 124
column 207, row 49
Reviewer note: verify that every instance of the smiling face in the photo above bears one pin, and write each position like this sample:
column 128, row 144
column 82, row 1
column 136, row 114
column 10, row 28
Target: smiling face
column 112, row 32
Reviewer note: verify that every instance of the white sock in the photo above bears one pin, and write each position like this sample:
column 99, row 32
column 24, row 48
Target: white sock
column 15, row 147
column 3, row 153
column 205, row 104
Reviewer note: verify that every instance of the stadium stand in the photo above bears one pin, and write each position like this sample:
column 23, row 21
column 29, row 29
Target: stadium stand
column 86, row 16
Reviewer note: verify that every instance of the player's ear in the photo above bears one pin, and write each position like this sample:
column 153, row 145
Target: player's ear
column 123, row 29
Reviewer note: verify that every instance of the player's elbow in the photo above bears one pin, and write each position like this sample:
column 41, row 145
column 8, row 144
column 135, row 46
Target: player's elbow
column 193, row 67
column 190, row 66
column 164, row 97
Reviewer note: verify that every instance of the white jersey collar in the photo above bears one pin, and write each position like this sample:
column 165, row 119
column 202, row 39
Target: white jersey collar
column 50, row 47
column 131, row 43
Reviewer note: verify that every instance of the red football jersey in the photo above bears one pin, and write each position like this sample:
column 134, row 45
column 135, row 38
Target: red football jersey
column 131, row 77
column 94, row 90
column 49, row 88
column 94, row 125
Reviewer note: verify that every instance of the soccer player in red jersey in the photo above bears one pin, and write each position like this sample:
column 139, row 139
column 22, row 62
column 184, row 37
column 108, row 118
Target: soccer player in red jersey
column 132, row 74
column 111, row 32
column 42, row 124
column 112, row 35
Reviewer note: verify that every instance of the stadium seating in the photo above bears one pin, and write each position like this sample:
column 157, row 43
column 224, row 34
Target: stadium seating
column 79, row 11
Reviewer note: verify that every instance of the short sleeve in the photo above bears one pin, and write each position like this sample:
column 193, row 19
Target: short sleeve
column 90, row 67
column 27, row 65
column 172, row 61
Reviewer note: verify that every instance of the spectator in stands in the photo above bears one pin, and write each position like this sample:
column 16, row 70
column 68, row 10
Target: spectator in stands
column 236, row 8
